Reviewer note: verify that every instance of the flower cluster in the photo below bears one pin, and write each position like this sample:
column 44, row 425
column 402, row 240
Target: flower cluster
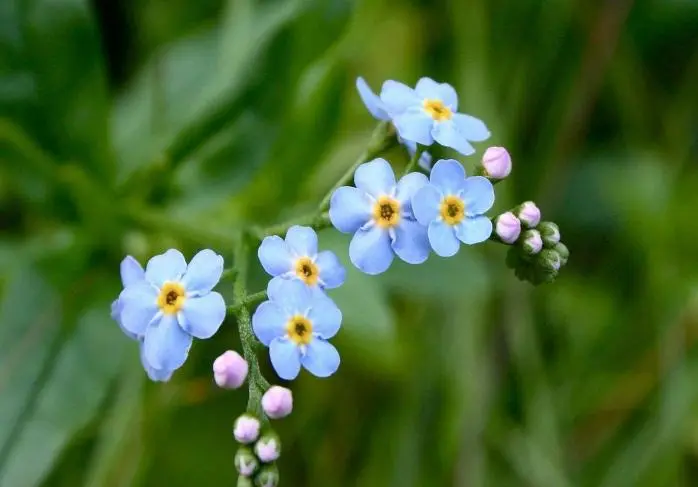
column 536, row 254
column 429, row 208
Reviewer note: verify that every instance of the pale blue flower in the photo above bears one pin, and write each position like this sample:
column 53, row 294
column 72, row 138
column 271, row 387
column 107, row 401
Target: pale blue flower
column 428, row 113
column 379, row 214
column 132, row 272
column 378, row 110
column 171, row 304
column 453, row 206
column 295, row 323
column 297, row 257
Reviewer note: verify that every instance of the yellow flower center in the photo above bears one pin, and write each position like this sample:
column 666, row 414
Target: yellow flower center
column 437, row 110
column 386, row 212
column 307, row 271
column 171, row 297
column 300, row 330
column 452, row 210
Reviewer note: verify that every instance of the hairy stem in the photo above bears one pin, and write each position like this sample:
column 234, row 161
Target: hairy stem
column 250, row 300
column 412, row 164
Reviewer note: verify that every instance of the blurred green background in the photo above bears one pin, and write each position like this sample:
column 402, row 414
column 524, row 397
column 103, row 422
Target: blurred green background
column 133, row 126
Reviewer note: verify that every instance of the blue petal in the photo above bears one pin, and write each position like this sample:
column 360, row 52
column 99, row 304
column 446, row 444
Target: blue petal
column 398, row 97
column 411, row 243
column 446, row 134
column 325, row 316
column 302, row 241
column 166, row 267
column 269, row 322
column 443, row 239
column 203, row 273
column 426, row 203
column 371, row 100
column 478, row 195
column 116, row 316
column 474, row 230
column 375, row 177
column 370, row 250
column 138, row 307
column 321, row 358
column 285, row 358
column 274, row 288
column 407, row 187
column 131, row 271
column 166, row 345
column 274, row 255
column 202, row 316
column 350, row 209
column 471, row 128
column 158, row 375
column 332, row 272
column 448, row 175
column 428, row 88
column 425, row 161
column 415, row 125
column 292, row 295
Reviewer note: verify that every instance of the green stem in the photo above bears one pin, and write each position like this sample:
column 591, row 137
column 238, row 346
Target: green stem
column 250, row 300
column 257, row 384
column 415, row 160
column 315, row 221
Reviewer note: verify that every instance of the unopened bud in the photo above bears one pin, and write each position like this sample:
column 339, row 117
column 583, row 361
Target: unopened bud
column 549, row 260
column 246, row 429
column 277, row 402
column 268, row 476
column 497, row 162
column 550, row 233
column 529, row 214
column 532, row 242
column 245, row 481
column 563, row 252
column 230, row 370
column 245, row 462
column 507, row 227
column 268, row 448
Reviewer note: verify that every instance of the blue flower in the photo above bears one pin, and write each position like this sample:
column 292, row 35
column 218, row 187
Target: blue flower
column 428, row 113
column 378, row 110
column 295, row 324
column 379, row 213
column 132, row 272
column 170, row 305
column 452, row 206
column 297, row 257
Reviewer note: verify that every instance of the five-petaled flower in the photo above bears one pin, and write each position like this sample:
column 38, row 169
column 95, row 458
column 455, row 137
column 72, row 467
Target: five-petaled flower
column 428, row 113
column 297, row 257
column 380, row 112
column 295, row 323
column 171, row 304
column 379, row 213
column 453, row 207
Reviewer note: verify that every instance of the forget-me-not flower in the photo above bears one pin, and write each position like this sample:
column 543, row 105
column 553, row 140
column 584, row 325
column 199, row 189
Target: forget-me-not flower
column 132, row 272
column 379, row 214
column 376, row 107
column 297, row 257
column 428, row 113
column 173, row 303
column 295, row 324
column 453, row 206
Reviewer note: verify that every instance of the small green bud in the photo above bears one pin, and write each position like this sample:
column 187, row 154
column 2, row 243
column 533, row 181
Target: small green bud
column 531, row 242
column 550, row 233
column 245, row 481
column 563, row 252
column 245, row 462
column 549, row 260
column 268, row 476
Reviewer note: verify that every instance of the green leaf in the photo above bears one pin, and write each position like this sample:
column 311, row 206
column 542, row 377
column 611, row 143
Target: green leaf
column 52, row 79
column 70, row 395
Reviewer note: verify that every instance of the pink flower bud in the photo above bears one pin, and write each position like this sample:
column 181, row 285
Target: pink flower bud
column 508, row 227
column 246, row 429
column 497, row 162
column 277, row 402
column 532, row 242
column 268, row 448
column 230, row 370
column 245, row 462
column 529, row 214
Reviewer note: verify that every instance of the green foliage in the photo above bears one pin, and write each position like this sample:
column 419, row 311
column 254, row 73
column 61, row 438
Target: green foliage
column 205, row 115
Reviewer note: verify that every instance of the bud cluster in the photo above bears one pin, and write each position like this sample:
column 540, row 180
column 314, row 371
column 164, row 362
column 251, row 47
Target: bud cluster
column 536, row 254
column 260, row 445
